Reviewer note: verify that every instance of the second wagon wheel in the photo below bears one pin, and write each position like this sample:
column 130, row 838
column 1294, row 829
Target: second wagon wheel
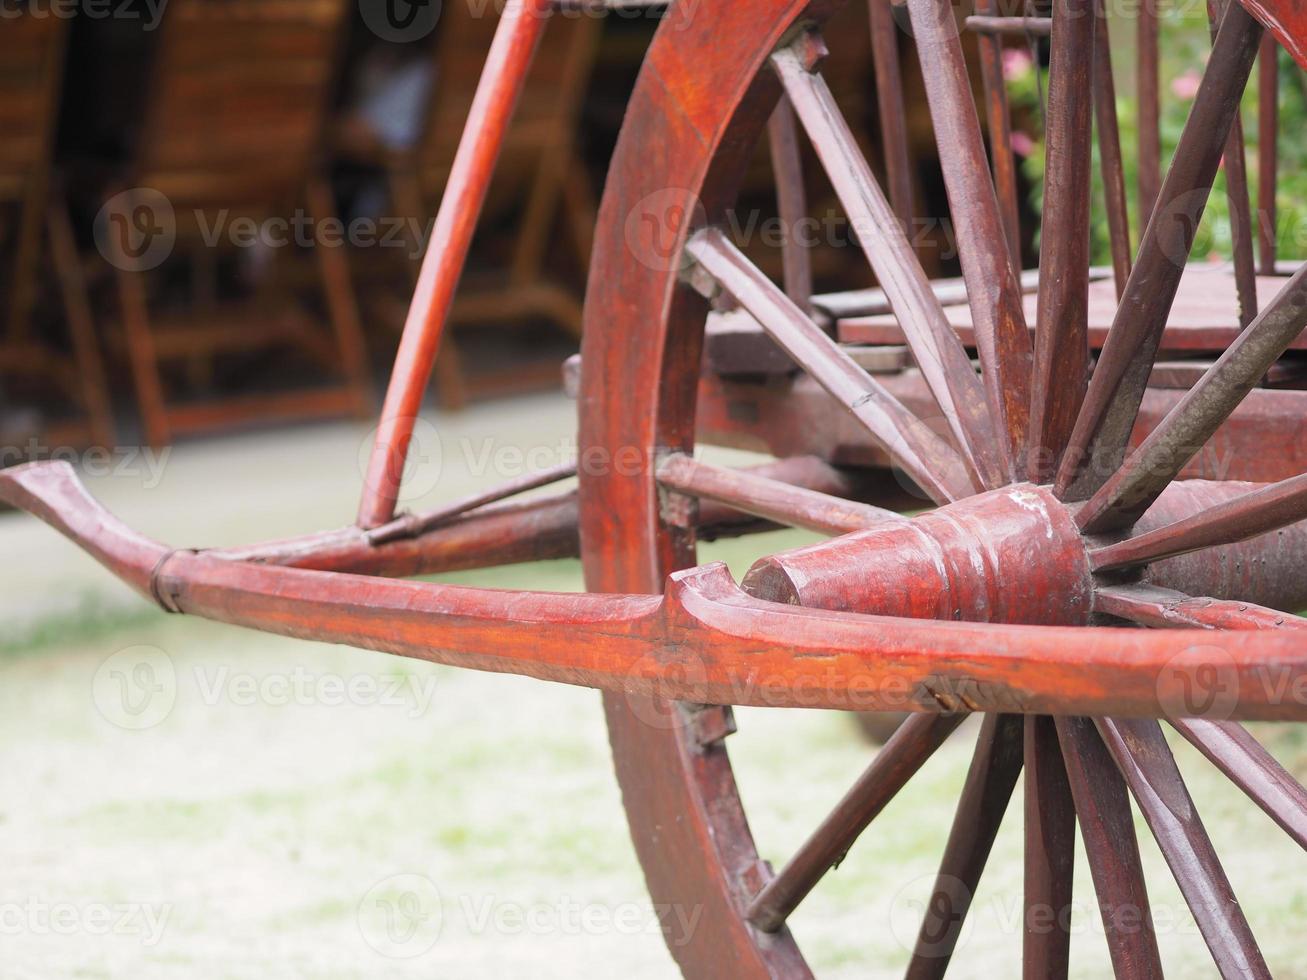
column 1029, row 433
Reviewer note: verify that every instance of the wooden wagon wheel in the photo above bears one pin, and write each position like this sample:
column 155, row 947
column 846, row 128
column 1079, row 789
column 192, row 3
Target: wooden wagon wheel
column 1045, row 533
column 1032, row 416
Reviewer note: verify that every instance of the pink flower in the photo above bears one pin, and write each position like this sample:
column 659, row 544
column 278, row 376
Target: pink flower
column 1016, row 63
column 1186, row 86
column 1022, row 144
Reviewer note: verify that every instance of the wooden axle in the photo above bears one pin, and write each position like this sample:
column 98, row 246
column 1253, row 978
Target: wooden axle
column 1015, row 556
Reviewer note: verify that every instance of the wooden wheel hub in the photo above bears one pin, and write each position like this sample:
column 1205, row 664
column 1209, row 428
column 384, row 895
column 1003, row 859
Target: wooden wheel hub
column 1013, row 555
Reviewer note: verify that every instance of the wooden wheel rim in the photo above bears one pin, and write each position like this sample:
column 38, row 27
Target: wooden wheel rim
column 700, row 106
column 702, row 858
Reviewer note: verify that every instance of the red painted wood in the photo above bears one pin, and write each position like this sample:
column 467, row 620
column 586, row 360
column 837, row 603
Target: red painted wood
column 704, row 641
column 1109, row 151
column 935, row 347
column 898, row 761
column 981, row 807
column 1062, row 332
column 770, row 499
column 1249, row 515
column 1237, row 753
column 1141, row 753
column 501, row 83
column 1204, row 317
column 988, row 268
column 1050, row 826
column 1149, row 605
column 791, row 201
column 792, row 416
column 943, row 566
column 1128, row 492
column 1108, row 831
column 1287, row 20
column 1111, row 405
column 926, row 457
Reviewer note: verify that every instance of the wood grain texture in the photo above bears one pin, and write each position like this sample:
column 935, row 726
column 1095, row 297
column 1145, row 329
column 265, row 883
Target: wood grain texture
column 941, row 357
column 1102, row 429
column 1128, row 492
column 773, row 500
column 1062, row 331
column 988, row 264
column 501, row 83
column 1150, row 605
column 898, row 760
column 1247, row 516
column 703, row 641
column 1246, row 763
column 929, row 460
column 1141, row 753
column 1108, row 831
column 991, row 778
column 1050, row 828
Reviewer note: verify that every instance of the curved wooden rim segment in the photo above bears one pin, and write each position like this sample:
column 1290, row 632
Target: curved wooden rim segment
column 1287, row 20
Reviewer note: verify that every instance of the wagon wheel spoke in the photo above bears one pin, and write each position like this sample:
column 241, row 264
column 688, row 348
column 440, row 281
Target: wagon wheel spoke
column 939, row 353
column 985, row 795
column 1108, row 832
column 993, row 289
column 1268, row 124
column 1062, row 322
column 1109, row 152
column 413, row 525
column 1246, row 516
column 1141, row 753
column 772, row 500
column 1050, row 818
column 897, row 762
column 893, row 112
column 1240, row 756
column 1148, row 605
column 1103, row 425
column 990, row 47
column 1196, row 417
column 931, row 462
column 1236, row 189
column 791, row 202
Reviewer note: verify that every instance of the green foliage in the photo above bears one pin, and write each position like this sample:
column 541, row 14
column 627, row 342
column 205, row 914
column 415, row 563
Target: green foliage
column 1184, row 48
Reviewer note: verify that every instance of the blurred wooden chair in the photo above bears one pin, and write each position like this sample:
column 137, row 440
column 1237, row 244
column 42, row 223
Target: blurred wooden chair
column 539, row 182
column 31, row 71
column 233, row 132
